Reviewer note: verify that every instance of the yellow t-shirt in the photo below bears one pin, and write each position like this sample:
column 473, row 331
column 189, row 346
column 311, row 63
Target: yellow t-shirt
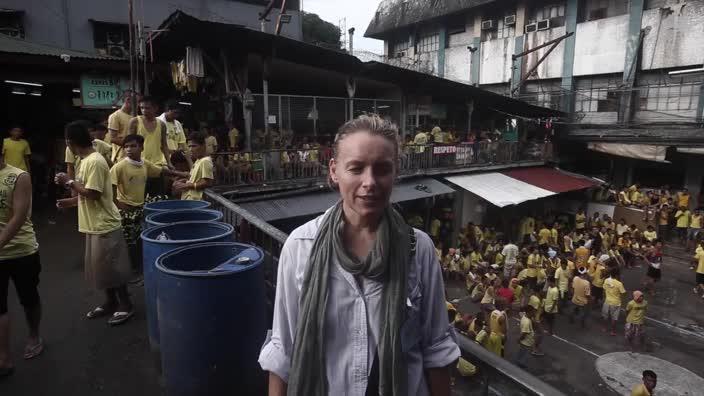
column 695, row 221
column 562, row 277
column 597, row 274
column 544, row 236
column 527, row 332
column 131, row 179
column 16, row 152
column 682, row 217
column 640, row 390
column 234, row 136
column 152, row 142
column 613, row 289
column 553, row 236
column 96, row 216
column 580, row 221
column 496, row 325
column 636, row 312
column 700, row 257
column 202, row 169
column 551, row 298
column 211, row 144
column 534, row 261
column 682, row 200
column 582, row 291
column 24, row 242
column 174, row 134
column 650, row 235
column 100, row 146
column 119, row 121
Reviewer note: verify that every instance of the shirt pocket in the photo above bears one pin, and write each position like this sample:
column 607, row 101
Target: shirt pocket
column 410, row 332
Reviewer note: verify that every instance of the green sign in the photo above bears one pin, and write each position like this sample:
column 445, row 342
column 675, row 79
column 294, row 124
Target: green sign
column 102, row 92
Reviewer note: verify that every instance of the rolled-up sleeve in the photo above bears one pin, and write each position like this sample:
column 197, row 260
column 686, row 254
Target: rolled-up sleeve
column 438, row 341
column 275, row 355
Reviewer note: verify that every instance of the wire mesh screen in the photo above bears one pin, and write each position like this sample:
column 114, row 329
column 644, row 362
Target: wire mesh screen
column 331, row 114
column 302, row 115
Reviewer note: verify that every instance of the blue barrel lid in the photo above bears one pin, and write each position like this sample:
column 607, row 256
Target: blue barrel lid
column 244, row 257
column 172, row 204
column 151, row 234
column 153, row 218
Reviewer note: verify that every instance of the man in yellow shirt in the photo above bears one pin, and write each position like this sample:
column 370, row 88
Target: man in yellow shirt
column 695, row 225
column 635, row 319
column 104, row 149
column 551, row 304
column 580, row 220
column 211, row 141
column 498, row 328
column 544, row 237
column 613, row 288
column 597, row 274
column 129, row 179
column 699, row 261
column 554, row 234
column 156, row 148
column 650, row 380
column 16, row 151
column 201, row 176
column 107, row 263
column 19, row 261
column 526, row 342
column 580, row 298
column 233, row 138
column 420, row 140
column 682, row 221
column 650, row 234
column 118, row 126
column 683, row 198
column 175, row 136
column 581, row 254
column 533, row 263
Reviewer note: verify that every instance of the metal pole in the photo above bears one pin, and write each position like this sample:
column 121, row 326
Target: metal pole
column 130, row 28
column 315, row 116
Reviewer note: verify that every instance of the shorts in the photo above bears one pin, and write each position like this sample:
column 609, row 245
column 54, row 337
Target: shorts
column 700, row 279
column 107, row 263
column 24, row 272
column 692, row 233
column 634, row 330
column 610, row 311
column 654, row 273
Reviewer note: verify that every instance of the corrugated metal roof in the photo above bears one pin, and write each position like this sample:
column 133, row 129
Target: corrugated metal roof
column 310, row 204
column 19, row 46
column 499, row 189
column 551, row 179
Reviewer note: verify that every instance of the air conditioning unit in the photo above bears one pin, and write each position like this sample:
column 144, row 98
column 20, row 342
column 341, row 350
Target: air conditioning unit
column 116, row 45
column 544, row 24
column 488, row 25
column 510, row 20
column 531, row 27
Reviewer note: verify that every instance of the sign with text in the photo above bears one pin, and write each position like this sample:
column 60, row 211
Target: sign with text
column 102, row 92
column 442, row 150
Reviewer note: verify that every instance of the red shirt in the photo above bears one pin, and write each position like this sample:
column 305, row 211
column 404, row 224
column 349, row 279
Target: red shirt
column 506, row 293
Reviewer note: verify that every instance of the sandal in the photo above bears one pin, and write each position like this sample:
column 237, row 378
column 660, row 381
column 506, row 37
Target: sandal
column 32, row 351
column 120, row 317
column 98, row 312
column 6, row 372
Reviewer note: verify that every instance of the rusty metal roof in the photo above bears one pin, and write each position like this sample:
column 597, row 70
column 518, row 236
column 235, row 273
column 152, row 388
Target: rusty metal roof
column 394, row 14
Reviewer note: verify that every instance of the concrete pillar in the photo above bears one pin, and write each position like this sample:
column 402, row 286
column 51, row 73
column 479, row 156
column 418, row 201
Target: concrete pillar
column 266, row 62
column 442, row 38
column 567, row 85
column 694, row 174
column 629, row 172
column 517, row 71
column 700, row 105
column 477, row 53
column 635, row 16
column 470, row 111
column 457, row 221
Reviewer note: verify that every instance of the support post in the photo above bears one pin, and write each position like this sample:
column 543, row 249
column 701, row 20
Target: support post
column 351, row 85
column 517, row 66
column 265, row 91
column 567, row 84
column 404, row 118
column 470, row 111
column 315, row 116
column 630, row 68
column 441, row 51
column 700, row 105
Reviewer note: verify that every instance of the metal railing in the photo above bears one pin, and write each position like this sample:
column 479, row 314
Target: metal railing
column 495, row 376
column 238, row 168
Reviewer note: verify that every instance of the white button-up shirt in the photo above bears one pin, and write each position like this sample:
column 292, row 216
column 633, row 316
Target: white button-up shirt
column 352, row 318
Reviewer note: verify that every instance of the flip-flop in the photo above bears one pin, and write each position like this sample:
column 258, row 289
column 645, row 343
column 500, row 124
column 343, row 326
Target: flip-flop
column 120, row 317
column 34, row 350
column 6, row 372
column 98, row 312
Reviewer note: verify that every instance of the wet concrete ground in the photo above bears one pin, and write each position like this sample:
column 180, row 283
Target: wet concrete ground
column 675, row 329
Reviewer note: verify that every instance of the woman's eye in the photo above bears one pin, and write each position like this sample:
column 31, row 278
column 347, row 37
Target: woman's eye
column 355, row 170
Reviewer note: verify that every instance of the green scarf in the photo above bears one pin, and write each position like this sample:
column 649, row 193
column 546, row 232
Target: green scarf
column 387, row 263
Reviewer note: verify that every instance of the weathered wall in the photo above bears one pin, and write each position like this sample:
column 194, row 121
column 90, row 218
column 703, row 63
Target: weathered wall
column 45, row 21
column 675, row 37
column 600, row 46
column 496, row 61
column 458, row 63
column 428, row 62
column 552, row 65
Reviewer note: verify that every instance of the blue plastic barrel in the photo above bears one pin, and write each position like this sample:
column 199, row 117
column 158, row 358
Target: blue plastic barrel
column 179, row 235
column 174, row 204
column 212, row 319
column 178, row 216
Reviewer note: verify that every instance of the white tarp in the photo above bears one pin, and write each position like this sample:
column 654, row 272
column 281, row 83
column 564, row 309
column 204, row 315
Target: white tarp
column 499, row 189
column 646, row 152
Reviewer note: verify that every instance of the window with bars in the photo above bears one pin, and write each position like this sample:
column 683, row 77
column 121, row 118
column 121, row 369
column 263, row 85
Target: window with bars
column 428, row 43
column 399, row 48
column 553, row 12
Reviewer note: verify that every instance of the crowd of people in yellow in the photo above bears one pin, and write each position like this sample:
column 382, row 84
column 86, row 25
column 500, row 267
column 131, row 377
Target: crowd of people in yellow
column 560, row 269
